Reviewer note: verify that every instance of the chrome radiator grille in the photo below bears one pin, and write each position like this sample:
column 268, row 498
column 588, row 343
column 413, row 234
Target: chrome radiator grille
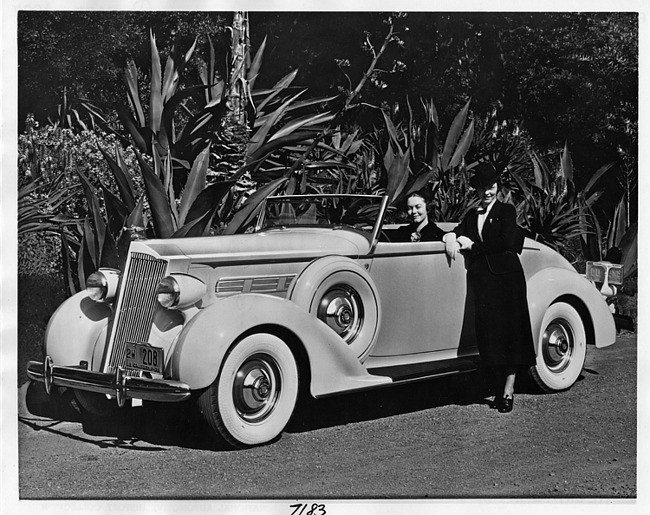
column 134, row 315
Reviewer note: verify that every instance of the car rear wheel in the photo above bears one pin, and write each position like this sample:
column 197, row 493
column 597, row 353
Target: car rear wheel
column 561, row 348
column 252, row 399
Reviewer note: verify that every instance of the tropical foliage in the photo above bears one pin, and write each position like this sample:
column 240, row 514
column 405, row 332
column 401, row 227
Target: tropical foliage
column 181, row 164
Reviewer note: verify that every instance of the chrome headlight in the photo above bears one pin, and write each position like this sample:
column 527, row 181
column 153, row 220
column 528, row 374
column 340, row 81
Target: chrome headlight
column 101, row 285
column 179, row 291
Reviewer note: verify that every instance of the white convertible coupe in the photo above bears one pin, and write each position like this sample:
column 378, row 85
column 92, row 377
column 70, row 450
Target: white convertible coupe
column 317, row 297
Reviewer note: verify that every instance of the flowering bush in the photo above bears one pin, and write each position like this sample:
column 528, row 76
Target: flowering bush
column 54, row 155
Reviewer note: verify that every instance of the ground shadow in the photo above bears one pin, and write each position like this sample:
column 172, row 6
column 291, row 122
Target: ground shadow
column 461, row 390
column 181, row 425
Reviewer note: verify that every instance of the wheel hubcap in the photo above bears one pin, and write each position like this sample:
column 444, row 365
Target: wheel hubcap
column 256, row 387
column 558, row 345
column 341, row 309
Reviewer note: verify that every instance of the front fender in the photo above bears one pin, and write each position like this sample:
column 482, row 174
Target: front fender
column 74, row 329
column 204, row 341
column 549, row 284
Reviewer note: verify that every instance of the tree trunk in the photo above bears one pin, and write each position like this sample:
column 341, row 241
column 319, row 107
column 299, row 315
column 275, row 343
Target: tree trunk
column 240, row 55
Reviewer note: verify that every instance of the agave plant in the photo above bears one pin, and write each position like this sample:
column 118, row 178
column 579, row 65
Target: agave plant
column 414, row 158
column 38, row 205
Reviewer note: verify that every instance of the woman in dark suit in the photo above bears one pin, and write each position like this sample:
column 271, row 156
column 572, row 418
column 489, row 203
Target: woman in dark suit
column 490, row 240
column 419, row 228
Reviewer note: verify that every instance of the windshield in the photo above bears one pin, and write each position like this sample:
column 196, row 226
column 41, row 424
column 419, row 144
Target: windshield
column 358, row 211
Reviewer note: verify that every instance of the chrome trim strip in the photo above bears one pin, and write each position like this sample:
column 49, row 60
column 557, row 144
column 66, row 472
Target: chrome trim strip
column 268, row 284
column 116, row 385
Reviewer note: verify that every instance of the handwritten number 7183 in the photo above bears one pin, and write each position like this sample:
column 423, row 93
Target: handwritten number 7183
column 316, row 509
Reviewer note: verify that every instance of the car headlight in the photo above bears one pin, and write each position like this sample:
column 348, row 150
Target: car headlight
column 179, row 291
column 101, row 285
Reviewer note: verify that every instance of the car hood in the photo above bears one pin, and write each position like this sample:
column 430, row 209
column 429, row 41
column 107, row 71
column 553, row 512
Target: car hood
column 294, row 243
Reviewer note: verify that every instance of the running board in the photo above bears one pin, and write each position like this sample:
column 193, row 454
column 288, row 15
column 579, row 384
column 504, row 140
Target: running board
column 416, row 371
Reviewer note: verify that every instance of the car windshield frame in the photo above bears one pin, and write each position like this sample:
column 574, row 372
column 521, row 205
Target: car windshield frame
column 380, row 200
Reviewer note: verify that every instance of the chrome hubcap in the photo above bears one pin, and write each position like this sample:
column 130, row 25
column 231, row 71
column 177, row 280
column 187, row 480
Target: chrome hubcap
column 341, row 309
column 558, row 345
column 256, row 387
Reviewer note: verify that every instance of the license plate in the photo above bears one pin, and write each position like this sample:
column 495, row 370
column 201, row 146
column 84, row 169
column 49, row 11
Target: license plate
column 144, row 357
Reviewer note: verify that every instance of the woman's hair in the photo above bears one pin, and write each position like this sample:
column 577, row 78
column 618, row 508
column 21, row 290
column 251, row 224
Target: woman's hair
column 420, row 193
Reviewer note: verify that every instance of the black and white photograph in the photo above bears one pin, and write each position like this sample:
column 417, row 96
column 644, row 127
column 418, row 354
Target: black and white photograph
column 309, row 259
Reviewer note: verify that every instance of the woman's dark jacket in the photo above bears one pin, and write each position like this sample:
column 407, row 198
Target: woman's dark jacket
column 430, row 232
column 497, row 284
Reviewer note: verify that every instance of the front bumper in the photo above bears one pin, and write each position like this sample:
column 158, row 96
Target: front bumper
column 117, row 385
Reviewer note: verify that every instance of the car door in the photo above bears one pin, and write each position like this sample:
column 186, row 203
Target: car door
column 424, row 301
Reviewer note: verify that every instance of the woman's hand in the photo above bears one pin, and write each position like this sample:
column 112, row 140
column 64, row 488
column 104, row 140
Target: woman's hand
column 464, row 242
column 451, row 245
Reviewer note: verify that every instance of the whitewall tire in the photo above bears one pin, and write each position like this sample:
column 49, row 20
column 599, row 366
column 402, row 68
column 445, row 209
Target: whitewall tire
column 255, row 393
column 561, row 348
column 342, row 295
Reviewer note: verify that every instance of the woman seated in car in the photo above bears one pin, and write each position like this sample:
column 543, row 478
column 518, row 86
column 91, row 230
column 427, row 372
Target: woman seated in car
column 419, row 228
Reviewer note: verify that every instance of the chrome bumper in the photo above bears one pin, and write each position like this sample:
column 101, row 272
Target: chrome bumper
column 118, row 385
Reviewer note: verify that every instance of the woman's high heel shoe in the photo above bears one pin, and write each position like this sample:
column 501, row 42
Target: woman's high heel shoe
column 505, row 404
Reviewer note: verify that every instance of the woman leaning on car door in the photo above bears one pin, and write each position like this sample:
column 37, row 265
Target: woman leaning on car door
column 490, row 241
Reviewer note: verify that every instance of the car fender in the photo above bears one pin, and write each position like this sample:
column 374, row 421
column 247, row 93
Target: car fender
column 550, row 284
column 74, row 330
column 204, row 341
column 313, row 283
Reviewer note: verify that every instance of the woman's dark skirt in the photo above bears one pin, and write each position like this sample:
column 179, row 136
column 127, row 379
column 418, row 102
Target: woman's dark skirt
column 503, row 329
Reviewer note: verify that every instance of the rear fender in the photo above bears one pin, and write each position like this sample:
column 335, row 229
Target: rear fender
column 74, row 329
column 204, row 341
column 550, row 284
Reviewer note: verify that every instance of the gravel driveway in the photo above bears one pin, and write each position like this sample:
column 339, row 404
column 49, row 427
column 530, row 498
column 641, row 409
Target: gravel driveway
column 430, row 440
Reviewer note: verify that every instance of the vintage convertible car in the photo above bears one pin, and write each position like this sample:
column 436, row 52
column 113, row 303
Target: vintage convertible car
column 315, row 297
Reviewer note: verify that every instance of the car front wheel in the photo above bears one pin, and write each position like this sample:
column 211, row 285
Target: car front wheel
column 561, row 348
column 252, row 399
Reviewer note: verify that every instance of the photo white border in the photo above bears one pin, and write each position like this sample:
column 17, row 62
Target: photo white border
column 9, row 502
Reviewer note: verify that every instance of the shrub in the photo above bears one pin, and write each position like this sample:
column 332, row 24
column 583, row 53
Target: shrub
column 47, row 152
